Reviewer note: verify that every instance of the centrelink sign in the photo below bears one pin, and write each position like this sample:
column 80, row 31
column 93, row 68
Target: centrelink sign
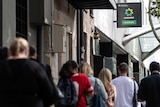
column 129, row 15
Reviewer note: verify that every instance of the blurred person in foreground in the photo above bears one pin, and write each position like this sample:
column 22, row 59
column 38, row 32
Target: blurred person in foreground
column 86, row 69
column 33, row 56
column 23, row 82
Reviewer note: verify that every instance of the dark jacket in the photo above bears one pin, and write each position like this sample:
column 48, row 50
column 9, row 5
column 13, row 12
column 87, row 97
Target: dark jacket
column 149, row 90
column 23, row 83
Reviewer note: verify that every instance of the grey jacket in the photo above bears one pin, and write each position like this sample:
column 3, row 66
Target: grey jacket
column 101, row 90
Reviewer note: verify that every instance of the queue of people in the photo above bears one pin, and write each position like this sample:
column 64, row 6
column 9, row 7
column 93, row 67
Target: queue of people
column 25, row 82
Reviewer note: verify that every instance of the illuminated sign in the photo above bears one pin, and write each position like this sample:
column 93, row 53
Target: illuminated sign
column 129, row 15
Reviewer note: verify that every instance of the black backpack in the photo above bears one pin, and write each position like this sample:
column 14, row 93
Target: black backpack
column 69, row 91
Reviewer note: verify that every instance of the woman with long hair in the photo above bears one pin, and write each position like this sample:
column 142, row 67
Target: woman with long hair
column 105, row 76
column 87, row 69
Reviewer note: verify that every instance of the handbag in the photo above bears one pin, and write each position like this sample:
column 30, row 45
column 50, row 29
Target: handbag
column 134, row 96
column 97, row 98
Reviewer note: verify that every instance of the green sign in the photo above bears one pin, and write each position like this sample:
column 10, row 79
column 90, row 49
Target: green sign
column 129, row 15
column 129, row 22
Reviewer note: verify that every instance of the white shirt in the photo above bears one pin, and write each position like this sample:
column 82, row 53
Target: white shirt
column 125, row 89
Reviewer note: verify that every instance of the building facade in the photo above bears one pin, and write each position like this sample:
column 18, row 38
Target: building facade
column 62, row 30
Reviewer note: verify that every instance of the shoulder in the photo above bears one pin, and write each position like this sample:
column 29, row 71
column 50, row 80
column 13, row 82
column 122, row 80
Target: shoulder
column 145, row 80
column 115, row 80
column 98, row 80
column 83, row 75
column 34, row 66
column 33, row 63
column 80, row 75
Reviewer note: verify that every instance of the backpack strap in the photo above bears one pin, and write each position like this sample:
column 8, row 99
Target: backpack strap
column 96, row 86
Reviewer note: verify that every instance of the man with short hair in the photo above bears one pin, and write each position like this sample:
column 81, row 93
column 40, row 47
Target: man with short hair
column 149, row 89
column 124, row 87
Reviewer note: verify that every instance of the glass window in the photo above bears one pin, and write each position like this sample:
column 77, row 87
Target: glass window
column 21, row 18
column 148, row 41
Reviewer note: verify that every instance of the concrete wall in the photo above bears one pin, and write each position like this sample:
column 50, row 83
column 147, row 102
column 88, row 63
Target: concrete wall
column 88, row 26
column 63, row 14
column 105, row 20
column 8, row 21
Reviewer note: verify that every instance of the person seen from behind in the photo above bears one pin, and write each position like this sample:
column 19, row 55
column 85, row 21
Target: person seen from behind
column 86, row 69
column 81, row 82
column 50, row 100
column 124, row 87
column 105, row 76
column 149, row 88
column 24, row 82
column 32, row 52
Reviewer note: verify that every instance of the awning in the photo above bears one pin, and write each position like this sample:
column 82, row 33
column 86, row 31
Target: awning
column 93, row 4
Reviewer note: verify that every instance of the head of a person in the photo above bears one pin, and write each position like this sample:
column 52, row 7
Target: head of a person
column 123, row 68
column 32, row 52
column 3, row 53
column 19, row 47
column 105, row 75
column 68, row 69
column 154, row 66
column 86, row 68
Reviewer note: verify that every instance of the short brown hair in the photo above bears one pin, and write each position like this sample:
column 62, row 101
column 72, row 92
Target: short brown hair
column 123, row 67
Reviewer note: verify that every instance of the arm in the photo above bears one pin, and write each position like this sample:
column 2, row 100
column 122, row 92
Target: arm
column 90, row 94
column 141, row 91
column 115, row 93
column 44, row 84
column 89, row 88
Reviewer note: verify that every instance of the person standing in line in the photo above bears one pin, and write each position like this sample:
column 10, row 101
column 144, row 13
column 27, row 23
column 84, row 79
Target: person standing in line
column 32, row 53
column 23, row 82
column 149, row 88
column 105, row 76
column 33, row 56
column 124, row 87
column 86, row 69
column 81, row 81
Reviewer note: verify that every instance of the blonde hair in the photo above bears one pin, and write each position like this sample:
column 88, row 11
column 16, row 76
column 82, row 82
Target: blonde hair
column 85, row 68
column 18, row 46
column 105, row 76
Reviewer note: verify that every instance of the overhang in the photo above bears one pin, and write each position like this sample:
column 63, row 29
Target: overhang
column 116, row 48
column 148, row 43
column 93, row 4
